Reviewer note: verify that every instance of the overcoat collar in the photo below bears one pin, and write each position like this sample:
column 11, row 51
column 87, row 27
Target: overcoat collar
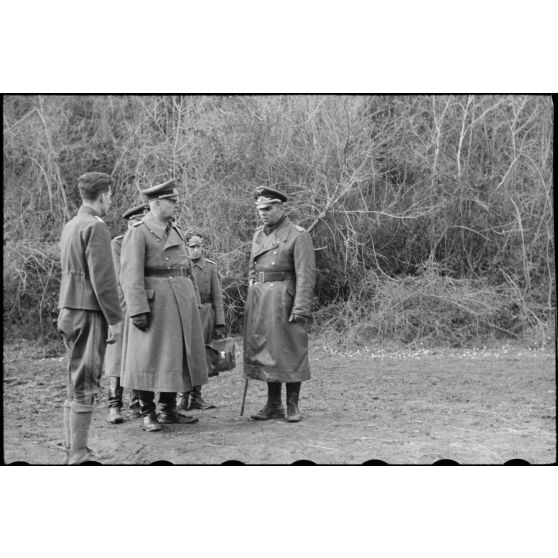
column 264, row 243
column 158, row 229
column 154, row 225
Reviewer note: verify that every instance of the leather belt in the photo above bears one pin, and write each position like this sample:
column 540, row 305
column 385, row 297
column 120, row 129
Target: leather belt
column 166, row 272
column 266, row 276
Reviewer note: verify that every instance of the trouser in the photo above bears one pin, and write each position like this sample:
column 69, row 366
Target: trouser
column 84, row 333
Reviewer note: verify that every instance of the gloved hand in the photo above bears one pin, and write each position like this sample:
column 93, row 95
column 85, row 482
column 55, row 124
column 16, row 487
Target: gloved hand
column 298, row 319
column 220, row 332
column 141, row 321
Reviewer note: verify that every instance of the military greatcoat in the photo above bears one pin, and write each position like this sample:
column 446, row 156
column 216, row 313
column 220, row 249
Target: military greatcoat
column 212, row 311
column 170, row 355
column 113, row 356
column 276, row 350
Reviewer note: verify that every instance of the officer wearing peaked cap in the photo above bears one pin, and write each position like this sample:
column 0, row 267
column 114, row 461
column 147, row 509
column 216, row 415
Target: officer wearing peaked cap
column 163, row 346
column 113, row 360
column 278, row 305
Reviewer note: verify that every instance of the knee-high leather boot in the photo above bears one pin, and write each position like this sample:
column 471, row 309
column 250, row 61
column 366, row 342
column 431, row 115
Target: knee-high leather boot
column 147, row 408
column 273, row 408
column 67, row 434
column 80, row 420
column 197, row 401
column 183, row 400
column 168, row 413
column 134, row 404
column 293, row 392
column 115, row 401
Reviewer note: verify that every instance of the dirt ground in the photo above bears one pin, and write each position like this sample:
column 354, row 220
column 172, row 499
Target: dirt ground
column 483, row 406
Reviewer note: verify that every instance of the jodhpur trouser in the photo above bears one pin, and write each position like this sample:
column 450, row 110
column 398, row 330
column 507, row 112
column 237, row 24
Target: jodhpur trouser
column 84, row 333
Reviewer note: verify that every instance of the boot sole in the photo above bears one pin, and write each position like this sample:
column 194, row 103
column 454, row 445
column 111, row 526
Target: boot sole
column 201, row 408
column 256, row 417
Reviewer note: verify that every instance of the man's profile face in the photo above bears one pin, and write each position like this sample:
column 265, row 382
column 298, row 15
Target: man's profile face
column 195, row 251
column 271, row 214
column 105, row 202
column 167, row 208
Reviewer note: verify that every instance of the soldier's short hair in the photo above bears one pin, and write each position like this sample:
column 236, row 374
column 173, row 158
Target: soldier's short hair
column 92, row 184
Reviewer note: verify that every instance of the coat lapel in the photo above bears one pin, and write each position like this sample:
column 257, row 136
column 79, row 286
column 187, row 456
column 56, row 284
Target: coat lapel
column 263, row 243
column 173, row 239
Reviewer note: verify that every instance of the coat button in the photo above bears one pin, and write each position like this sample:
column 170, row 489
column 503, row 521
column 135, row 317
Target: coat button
column 271, row 284
column 275, row 252
column 272, row 263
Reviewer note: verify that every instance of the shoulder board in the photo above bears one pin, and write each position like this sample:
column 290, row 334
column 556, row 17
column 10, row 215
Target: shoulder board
column 119, row 237
column 299, row 228
column 258, row 229
column 137, row 223
column 210, row 261
column 98, row 218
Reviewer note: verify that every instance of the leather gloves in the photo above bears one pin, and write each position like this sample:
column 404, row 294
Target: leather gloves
column 220, row 332
column 141, row 321
column 298, row 319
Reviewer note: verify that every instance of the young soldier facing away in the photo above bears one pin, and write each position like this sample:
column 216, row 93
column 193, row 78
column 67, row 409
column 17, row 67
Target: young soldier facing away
column 89, row 308
column 278, row 305
column 212, row 313
column 113, row 357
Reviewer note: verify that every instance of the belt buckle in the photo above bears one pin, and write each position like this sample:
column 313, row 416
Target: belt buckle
column 261, row 276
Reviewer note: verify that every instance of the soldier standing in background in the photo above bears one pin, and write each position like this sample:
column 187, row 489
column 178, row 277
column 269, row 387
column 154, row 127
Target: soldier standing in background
column 113, row 356
column 211, row 312
column 278, row 306
column 163, row 347
column 89, row 308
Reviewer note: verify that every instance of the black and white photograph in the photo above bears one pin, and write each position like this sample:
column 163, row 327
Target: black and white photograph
column 337, row 279
column 278, row 264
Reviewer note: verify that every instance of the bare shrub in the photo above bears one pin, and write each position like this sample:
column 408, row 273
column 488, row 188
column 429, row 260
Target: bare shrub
column 31, row 277
column 385, row 184
column 430, row 307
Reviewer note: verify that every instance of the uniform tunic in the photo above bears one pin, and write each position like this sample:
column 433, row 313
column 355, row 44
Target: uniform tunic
column 276, row 350
column 170, row 355
column 212, row 311
column 88, row 301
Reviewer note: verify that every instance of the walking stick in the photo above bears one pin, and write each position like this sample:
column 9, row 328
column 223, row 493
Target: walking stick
column 244, row 397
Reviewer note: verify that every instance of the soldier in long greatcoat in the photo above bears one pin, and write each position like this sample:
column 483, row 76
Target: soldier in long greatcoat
column 278, row 306
column 163, row 345
column 113, row 356
column 212, row 311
